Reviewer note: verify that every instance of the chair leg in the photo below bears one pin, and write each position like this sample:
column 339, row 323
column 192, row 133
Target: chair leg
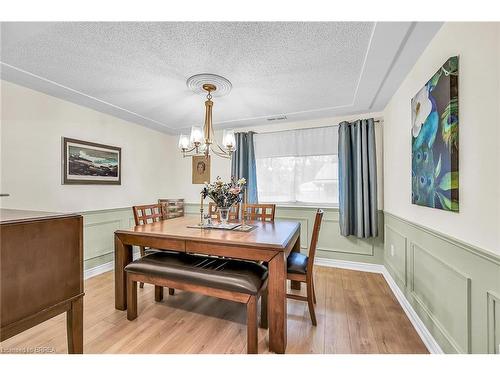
column 171, row 291
column 252, row 332
column 158, row 293
column 314, row 290
column 142, row 252
column 131, row 299
column 311, row 303
column 263, row 310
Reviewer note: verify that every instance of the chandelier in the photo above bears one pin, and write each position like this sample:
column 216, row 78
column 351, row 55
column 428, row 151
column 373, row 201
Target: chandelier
column 202, row 140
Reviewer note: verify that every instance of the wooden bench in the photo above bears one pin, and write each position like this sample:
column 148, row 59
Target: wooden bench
column 229, row 279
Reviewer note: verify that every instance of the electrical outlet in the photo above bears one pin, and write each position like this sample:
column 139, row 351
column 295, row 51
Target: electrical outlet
column 392, row 250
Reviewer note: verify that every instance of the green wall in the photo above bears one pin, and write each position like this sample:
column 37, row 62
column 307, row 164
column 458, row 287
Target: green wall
column 454, row 287
column 98, row 229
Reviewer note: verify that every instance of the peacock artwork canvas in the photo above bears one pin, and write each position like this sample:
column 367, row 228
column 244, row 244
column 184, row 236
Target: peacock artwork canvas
column 435, row 140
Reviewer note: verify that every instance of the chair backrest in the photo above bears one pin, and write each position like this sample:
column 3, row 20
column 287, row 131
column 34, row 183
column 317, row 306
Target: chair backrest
column 172, row 208
column 148, row 213
column 263, row 212
column 314, row 241
column 234, row 212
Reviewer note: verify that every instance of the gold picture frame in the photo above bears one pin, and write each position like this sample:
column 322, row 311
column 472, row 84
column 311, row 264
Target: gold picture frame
column 201, row 169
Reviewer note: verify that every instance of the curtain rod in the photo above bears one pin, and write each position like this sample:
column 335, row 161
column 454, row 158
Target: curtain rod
column 315, row 127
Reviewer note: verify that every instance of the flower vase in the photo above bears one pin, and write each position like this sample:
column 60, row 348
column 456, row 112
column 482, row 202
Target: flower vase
column 224, row 215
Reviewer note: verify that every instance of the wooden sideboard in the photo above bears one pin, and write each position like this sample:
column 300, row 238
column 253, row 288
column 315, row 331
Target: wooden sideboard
column 41, row 272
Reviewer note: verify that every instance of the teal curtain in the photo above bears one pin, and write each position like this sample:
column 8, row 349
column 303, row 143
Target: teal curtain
column 243, row 164
column 358, row 179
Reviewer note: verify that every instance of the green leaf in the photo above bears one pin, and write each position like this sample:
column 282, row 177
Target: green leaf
column 449, row 181
column 445, row 202
column 437, row 171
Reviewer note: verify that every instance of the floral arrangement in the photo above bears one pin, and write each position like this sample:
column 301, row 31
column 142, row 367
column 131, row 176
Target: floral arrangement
column 224, row 194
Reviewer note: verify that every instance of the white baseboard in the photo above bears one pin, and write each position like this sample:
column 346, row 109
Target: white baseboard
column 94, row 271
column 349, row 265
column 420, row 327
column 412, row 315
column 105, row 267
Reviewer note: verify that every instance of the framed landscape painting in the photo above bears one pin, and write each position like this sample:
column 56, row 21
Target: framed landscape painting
column 90, row 163
column 435, row 140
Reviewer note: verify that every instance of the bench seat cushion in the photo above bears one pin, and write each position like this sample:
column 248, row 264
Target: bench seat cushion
column 219, row 273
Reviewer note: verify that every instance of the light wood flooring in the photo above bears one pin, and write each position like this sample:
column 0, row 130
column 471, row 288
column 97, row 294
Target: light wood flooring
column 356, row 311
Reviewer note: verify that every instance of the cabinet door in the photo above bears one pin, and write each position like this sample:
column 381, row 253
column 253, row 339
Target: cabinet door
column 41, row 265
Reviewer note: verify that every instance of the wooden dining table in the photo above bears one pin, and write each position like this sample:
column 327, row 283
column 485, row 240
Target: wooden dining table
column 270, row 242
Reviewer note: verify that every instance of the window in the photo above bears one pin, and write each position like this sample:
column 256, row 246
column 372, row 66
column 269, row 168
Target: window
column 298, row 166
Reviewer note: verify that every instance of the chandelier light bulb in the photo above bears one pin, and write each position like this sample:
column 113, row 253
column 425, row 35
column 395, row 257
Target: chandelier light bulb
column 183, row 142
column 196, row 136
column 228, row 139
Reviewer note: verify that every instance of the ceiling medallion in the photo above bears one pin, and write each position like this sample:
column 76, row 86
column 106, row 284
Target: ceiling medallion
column 202, row 140
column 222, row 85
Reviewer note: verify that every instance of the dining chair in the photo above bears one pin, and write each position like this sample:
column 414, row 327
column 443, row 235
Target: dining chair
column 300, row 268
column 148, row 213
column 234, row 212
column 255, row 211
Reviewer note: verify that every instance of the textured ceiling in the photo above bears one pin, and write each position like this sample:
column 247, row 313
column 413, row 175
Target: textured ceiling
column 138, row 71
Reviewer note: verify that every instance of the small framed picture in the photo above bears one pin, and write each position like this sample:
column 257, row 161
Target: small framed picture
column 87, row 163
column 201, row 169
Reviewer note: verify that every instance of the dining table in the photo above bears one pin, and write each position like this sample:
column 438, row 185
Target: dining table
column 269, row 242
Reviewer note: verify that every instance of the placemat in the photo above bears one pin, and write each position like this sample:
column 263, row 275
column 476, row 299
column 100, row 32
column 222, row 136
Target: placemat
column 215, row 226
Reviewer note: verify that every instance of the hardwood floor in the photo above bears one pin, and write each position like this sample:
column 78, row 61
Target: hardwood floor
column 356, row 311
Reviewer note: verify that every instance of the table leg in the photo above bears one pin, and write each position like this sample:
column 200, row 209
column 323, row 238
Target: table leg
column 277, row 314
column 74, row 327
column 123, row 256
column 296, row 248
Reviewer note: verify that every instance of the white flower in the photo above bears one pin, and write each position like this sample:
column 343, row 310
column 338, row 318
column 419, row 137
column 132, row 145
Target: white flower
column 242, row 181
column 421, row 107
